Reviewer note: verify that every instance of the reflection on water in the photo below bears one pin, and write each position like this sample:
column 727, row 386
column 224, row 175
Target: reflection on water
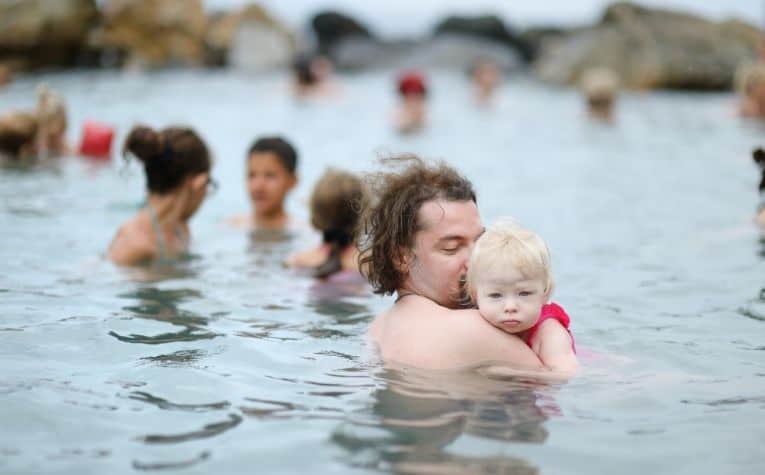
column 162, row 305
column 415, row 415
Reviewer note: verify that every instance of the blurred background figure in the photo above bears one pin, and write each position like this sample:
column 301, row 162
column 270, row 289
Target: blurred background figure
column 486, row 76
column 336, row 204
column 5, row 75
column 759, row 158
column 750, row 82
column 271, row 175
column 18, row 132
column 312, row 76
column 412, row 113
column 177, row 165
column 600, row 86
column 52, row 123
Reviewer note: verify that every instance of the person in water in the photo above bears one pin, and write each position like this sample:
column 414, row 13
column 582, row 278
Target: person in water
column 18, row 135
column 599, row 86
column 336, row 203
column 177, row 165
column 51, row 115
column 40, row 133
column 271, row 175
column 509, row 280
column 759, row 158
column 486, row 77
column 415, row 242
column 750, row 81
column 412, row 113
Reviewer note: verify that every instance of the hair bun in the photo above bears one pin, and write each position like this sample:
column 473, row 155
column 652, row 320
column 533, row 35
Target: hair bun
column 143, row 142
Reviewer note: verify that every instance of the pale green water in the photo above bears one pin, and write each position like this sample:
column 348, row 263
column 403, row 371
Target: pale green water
column 229, row 364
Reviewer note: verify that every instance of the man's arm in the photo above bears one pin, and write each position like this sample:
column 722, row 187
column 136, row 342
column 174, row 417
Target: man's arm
column 478, row 341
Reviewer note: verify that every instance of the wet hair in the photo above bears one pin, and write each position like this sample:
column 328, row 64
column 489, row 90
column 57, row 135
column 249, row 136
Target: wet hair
column 759, row 158
column 17, row 132
column 278, row 146
column 302, row 68
column 169, row 156
column 506, row 244
column 336, row 204
column 389, row 225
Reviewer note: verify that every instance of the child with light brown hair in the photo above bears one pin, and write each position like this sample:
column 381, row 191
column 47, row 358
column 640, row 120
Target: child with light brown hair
column 336, row 204
column 510, row 281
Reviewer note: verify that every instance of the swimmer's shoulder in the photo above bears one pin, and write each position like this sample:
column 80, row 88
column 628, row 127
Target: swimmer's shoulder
column 131, row 245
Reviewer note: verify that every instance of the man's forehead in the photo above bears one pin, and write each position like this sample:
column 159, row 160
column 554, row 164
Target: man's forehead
column 450, row 217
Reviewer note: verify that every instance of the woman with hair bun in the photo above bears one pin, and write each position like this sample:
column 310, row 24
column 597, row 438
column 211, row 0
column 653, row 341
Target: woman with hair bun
column 336, row 204
column 177, row 165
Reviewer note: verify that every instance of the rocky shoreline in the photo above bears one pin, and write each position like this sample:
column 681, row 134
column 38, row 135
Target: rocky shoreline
column 647, row 48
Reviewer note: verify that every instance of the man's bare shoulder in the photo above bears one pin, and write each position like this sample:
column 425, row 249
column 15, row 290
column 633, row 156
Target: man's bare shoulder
column 424, row 334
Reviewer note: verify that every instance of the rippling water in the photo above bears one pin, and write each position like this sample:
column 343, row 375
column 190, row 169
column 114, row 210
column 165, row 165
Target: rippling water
column 226, row 363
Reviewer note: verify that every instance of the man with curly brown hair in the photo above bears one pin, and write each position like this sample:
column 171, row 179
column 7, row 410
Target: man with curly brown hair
column 415, row 242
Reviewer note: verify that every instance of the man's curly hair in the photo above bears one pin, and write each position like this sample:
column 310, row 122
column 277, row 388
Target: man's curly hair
column 390, row 222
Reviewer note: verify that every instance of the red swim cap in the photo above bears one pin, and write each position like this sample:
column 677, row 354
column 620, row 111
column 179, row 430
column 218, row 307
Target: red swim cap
column 96, row 140
column 412, row 83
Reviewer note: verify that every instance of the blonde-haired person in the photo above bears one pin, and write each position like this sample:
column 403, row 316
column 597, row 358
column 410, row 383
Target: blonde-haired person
column 336, row 204
column 52, row 123
column 510, row 281
column 600, row 86
column 750, row 82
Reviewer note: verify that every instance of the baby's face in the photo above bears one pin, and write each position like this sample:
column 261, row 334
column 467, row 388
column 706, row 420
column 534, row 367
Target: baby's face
column 509, row 300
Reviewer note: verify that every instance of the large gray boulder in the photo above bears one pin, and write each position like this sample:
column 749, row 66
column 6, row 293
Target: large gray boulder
column 249, row 39
column 39, row 33
column 652, row 48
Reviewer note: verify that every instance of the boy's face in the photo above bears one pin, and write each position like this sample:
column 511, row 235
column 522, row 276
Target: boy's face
column 509, row 300
column 268, row 182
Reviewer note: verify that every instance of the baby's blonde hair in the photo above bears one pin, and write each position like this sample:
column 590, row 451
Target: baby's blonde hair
column 507, row 243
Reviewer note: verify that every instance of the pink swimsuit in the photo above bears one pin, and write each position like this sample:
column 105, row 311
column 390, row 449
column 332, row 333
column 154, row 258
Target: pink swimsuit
column 556, row 312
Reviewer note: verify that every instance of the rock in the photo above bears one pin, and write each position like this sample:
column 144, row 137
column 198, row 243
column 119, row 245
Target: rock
column 149, row 33
column 652, row 48
column 331, row 27
column 249, row 39
column 38, row 33
column 488, row 27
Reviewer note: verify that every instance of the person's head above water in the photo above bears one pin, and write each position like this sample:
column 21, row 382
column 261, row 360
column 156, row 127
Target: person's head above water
column 416, row 238
column 412, row 84
column 17, row 134
column 170, row 157
column 271, row 166
column 336, row 204
column 509, row 275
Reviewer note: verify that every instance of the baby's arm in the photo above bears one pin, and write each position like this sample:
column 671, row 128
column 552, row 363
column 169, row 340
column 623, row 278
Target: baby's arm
column 552, row 343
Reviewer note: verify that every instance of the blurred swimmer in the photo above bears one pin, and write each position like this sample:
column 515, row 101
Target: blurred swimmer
column 336, row 205
column 51, row 116
column 412, row 113
column 312, row 76
column 18, row 132
column 177, row 165
column 759, row 158
column 600, row 86
column 750, row 82
column 486, row 76
column 271, row 175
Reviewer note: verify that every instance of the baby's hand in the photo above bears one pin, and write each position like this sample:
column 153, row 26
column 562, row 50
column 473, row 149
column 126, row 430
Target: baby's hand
column 552, row 343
